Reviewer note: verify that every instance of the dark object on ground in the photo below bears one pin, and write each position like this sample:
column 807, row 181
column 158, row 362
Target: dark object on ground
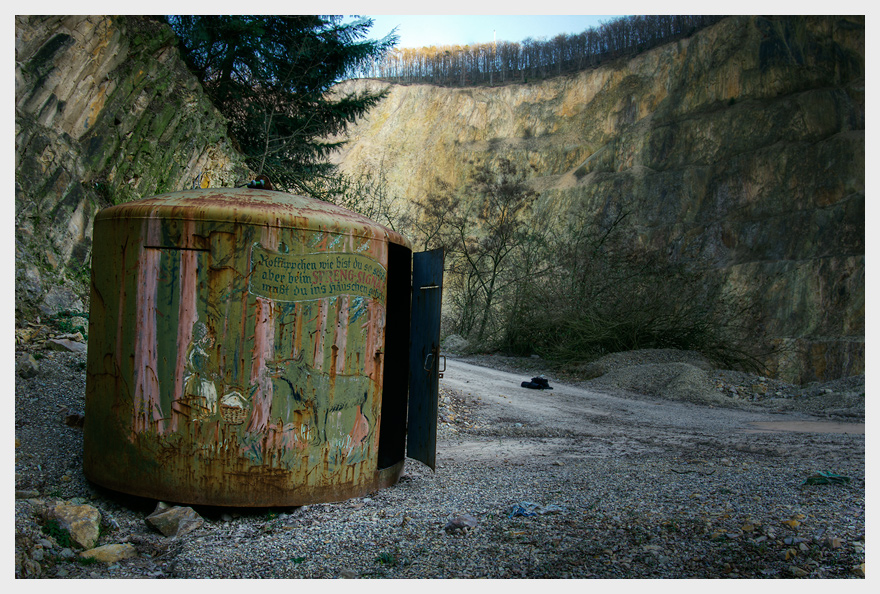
column 826, row 478
column 528, row 509
column 461, row 523
column 75, row 420
column 537, row 383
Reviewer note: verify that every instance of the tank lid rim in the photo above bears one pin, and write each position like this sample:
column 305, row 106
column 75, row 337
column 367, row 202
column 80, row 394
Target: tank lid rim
column 251, row 206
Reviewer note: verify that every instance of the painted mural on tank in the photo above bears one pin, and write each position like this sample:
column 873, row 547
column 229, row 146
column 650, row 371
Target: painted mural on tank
column 281, row 364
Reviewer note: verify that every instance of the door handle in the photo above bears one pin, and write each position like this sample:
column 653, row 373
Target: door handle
column 429, row 363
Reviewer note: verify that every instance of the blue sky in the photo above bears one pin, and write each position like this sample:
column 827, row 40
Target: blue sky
column 427, row 30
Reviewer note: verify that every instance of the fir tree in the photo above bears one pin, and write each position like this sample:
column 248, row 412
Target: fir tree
column 270, row 77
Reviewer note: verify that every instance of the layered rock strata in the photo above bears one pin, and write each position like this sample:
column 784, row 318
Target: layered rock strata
column 742, row 146
column 105, row 112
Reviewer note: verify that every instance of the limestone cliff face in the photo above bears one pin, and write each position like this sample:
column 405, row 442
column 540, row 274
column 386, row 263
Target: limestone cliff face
column 105, row 111
column 742, row 146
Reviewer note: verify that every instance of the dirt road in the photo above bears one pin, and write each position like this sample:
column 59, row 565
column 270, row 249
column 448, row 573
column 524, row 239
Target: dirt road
column 617, row 425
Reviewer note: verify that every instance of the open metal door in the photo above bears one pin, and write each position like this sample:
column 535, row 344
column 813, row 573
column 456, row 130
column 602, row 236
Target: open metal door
column 424, row 356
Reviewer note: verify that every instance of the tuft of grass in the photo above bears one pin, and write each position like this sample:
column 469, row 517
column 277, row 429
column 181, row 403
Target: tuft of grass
column 387, row 558
column 63, row 321
column 55, row 530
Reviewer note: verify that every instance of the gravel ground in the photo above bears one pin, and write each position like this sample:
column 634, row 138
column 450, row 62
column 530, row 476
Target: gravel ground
column 615, row 495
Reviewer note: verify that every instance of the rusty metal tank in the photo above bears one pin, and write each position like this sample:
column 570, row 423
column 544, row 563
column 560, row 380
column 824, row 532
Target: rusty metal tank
column 252, row 348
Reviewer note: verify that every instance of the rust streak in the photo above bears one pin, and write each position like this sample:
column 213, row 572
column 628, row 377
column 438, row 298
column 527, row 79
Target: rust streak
column 263, row 354
column 146, row 395
column 187, row 317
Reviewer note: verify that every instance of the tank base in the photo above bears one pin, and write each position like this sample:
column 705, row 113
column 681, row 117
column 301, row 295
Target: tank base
column 255, row 496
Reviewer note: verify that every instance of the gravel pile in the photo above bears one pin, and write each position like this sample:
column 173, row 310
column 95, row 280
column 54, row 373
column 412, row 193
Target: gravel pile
column 707, row 511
